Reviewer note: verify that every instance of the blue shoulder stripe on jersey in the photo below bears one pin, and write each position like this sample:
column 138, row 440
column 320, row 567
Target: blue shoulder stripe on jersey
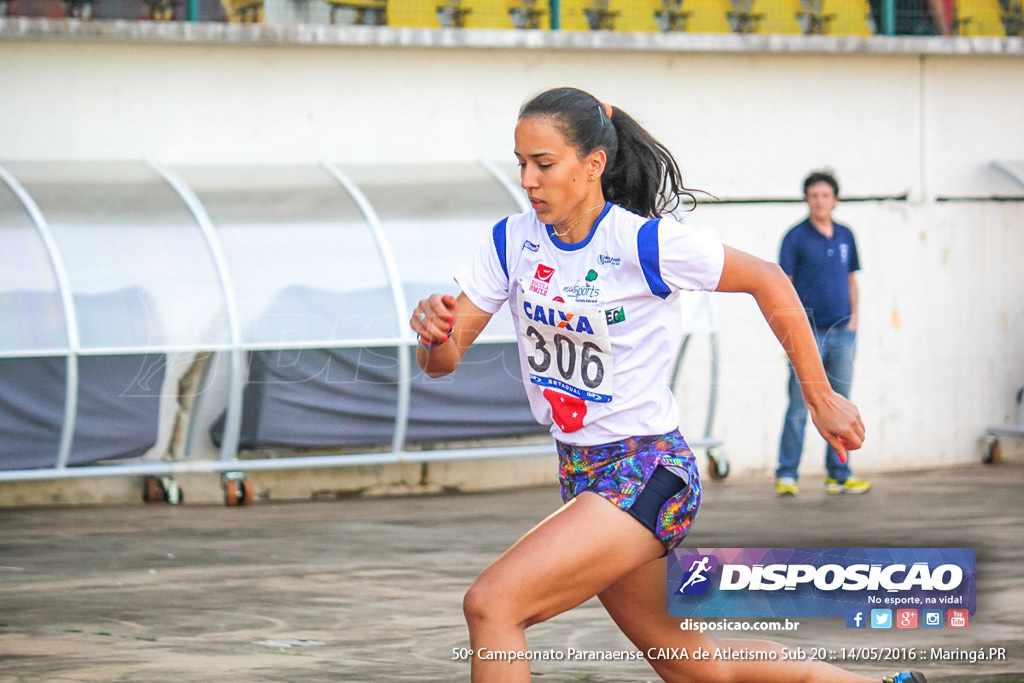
column 498, row 235
column 650, row 263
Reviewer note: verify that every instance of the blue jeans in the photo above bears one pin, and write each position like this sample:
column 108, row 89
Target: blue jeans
column 836, row 348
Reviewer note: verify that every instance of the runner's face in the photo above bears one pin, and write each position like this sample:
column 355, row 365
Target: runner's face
column 550, row 170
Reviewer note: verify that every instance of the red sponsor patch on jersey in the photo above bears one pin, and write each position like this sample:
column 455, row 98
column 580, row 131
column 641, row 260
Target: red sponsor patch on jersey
column 544, row 273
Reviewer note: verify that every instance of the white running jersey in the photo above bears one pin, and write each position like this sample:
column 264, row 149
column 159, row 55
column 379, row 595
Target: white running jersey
column 598, row 322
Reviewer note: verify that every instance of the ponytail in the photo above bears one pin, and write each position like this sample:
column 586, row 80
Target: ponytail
column 640, row 175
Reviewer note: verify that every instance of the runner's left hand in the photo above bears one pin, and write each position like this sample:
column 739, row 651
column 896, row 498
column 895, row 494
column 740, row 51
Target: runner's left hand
column 839, row 423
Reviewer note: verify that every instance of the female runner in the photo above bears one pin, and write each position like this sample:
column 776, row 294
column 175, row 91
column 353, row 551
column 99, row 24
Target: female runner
column 590, row 274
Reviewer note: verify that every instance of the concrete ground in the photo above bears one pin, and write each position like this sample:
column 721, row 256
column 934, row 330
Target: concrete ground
column 370, row 589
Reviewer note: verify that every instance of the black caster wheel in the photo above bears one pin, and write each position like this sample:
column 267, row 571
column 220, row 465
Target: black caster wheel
column 718, row 465
column 992, row 452
column 238, row 491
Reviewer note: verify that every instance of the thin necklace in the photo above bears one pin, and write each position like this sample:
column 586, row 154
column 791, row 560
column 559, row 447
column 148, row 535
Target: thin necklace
column 577, row 221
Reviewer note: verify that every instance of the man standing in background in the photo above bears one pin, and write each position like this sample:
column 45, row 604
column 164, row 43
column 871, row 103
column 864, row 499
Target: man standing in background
column 820, row 257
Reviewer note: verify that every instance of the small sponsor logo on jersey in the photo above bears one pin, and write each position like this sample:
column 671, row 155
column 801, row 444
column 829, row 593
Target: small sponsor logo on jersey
column 609, row 260
column 615, row 315
column 530, row 246
column 584, row 293
column 541, row 279
column 543, row 273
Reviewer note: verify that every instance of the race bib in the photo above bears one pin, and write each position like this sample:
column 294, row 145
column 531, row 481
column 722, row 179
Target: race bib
column 567, row 347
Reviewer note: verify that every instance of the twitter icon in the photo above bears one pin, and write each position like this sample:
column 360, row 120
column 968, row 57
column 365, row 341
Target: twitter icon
column 881, row 618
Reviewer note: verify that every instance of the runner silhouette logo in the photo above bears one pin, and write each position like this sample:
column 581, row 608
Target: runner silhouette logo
column 696, row 578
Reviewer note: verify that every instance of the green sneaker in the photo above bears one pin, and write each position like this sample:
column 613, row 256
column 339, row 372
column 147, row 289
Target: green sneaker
column 786, row 486
column 851, row 485
column 906, row 677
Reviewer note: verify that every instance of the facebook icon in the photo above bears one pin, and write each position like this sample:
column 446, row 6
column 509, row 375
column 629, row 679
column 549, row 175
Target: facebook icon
column 855, row 618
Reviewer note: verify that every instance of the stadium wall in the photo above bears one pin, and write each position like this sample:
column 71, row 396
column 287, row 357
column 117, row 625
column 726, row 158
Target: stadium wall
column 911, row 127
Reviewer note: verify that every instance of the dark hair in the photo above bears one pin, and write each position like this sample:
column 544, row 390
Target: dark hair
column 823, row 176
column 641, row 175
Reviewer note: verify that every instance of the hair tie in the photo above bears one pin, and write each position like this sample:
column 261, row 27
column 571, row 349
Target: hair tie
column 607, row 109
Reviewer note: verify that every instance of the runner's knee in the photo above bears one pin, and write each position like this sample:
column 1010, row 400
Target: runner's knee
column 484, row 603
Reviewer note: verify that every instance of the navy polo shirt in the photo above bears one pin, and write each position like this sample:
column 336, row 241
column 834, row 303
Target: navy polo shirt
column 820, row 268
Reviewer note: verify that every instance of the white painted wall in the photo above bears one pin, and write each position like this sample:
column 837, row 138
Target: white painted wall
column 941, row 342
column 743, row 124
column 942, row 315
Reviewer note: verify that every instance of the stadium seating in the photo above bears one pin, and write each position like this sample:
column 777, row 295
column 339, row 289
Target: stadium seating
column 529, row 14
column 243, row 11
column 574, row 14
column 359, row 12
column 159, row 10
column 504, row 14
column 693, row 16
column 78, row 9
column 845, row 17
column 996, row 18
column 980, row 18
column 1013, row 17
column 671, row 16
column 709, row 16
column 453, row 14
column 497, row 14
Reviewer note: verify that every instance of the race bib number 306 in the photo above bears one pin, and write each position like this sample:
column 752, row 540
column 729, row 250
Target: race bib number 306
column 567, row 347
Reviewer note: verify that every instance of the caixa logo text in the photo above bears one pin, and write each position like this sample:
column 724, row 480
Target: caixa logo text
column 557, row 318
column 832, row 577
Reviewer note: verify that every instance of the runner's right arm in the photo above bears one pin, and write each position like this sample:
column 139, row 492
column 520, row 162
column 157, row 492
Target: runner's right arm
column 440, row 352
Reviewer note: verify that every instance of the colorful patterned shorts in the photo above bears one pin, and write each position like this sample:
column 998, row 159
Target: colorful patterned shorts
column 619, row 471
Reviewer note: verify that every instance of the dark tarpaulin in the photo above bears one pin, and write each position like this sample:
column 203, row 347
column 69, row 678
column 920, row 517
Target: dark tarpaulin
column 118, row 395
column 348, row 397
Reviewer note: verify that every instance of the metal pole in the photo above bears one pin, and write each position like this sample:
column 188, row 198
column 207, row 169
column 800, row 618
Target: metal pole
column 517, row 194
column 556, row 14
column 889, row 17
column 193, row 10
column 398, row 298
column 164, row 468
column 236, row 374
column 70, row 316
column 1014, row 171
